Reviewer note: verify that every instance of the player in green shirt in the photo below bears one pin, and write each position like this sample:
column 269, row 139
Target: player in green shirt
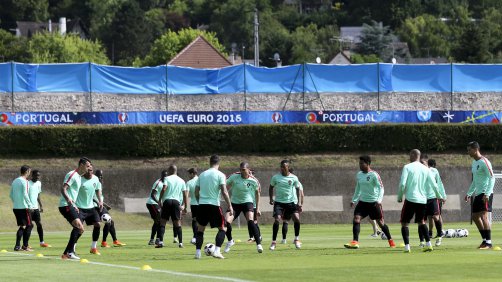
column 368, row 195
column 192, row 175
column 414, row 183
column 67, row 207
column 244, row 189
column 170, row 205
column 286, row 203
column 432, row 165
column 85, row 202
column 153, row 206
column 208, row 188
column 35, row 190
column 285, row 222
column 19, row 194
column 482, row 189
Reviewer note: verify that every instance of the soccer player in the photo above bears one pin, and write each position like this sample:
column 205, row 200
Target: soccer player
column 34, row 192
column 255, row 215
column 286, row 185
column 368, row 195
column 192, row 175
column 242, row 187
column 208, row 188
column 442, row 191
column 67, row 207
column 109, row 227
column 153, row 206
column 285, row 221
column 170, row 205
column 19, row 194
column 90, row 186
column 413, row 185
column 482, row 189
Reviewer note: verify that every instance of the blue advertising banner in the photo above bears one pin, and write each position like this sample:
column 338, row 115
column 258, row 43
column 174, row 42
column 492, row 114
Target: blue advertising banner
column 241, row 117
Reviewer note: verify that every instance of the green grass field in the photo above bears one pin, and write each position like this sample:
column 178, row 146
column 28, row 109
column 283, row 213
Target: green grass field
column 322, row 258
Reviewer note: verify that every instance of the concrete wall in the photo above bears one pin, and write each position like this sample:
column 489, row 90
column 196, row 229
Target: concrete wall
column 81, row 102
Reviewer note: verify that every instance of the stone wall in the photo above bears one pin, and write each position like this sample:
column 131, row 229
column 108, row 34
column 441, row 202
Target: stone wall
column 82, row 102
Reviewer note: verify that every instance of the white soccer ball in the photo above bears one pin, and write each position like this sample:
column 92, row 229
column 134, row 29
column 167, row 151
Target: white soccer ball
column 450, row 233
column 106, row 218
column 382, row 235
column 466, row 232
column 209, row 249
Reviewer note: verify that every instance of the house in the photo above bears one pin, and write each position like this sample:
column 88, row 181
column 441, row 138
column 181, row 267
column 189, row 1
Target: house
column 28, row 29
column 342, row 58
column 200, row 54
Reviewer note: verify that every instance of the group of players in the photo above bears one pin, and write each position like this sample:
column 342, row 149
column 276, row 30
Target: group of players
column 82, row 200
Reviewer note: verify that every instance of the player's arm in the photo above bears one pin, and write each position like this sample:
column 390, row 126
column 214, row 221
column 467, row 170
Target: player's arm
column 161, row 196
column 64, row 192
column 380, row 188
column 100, row 197
column 470, row 191
column 357, row 194
column 402, row 185
column 197, row 193
column 433, row 184
column 257, row 198
column 40, row 207
column 299, row 195
column 271, row 194
column 185, row 201
column 491, row 182
column 26, row 197
column 224, row 191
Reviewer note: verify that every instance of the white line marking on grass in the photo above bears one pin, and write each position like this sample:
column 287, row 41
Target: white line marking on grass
column 138, row 268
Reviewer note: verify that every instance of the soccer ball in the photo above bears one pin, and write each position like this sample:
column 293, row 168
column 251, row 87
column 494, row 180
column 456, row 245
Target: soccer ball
column 450, row 233
column 466, row 232
column 106, row 218
column 209, row 249
column 460, row 233
column 382, row 235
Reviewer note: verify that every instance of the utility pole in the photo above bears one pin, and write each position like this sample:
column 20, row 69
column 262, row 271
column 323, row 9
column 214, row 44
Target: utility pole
column 256, row 39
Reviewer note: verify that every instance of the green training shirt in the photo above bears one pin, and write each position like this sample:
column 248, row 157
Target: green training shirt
column 175, row 188
column 243, row 189
column 157, row 187
column 191, row 189
column 285, row 188
column 414, row 181
column 73, row 180
column 482, row 178
column 209, row 183
column 35, row 189
column 19, row 193
column 87, row 192
column 369, row 187
column 437, row 178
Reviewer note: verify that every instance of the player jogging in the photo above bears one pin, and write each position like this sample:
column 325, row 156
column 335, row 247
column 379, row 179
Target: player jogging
column 208, row 188
column 192, row 175
column 37, row 208
column 368, row 195
column 90, row 186
column 19, row 194
column 482, row 189
column 442, row 191
column 152, row 204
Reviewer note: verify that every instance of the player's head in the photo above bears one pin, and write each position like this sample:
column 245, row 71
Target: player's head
column 172, row 169
column 25, row 170
column 414, row 155
column 164, row 174
column 192, row 172
column 431, row 162
column 84, row 164
column 364, row 163
column 214, row 160
column 35, row 175
column 285, row 167
column 291, row 169
column 424, row 159
column 89, row 173
column 244, row 169
column 99, row 174
column 473, row 149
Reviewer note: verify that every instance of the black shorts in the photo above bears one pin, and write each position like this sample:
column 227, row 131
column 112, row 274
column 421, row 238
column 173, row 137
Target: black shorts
column 154, row 211
column 90, row 216
column 433, row 207
column 373, row 210
column 23, row 217
column 285, row 210
column 69, row 212
column 102, row 212
column 194, row 210
column 479, row 205
column 244, row 208
column 35, row 215
column 210, row 214
column 171, row 209
column 411, row 209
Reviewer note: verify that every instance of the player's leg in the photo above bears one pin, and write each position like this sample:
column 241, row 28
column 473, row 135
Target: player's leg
column 421, row 220
column 252, row 228
column 202, row 221
column 296, row 223
column 193, row 210
column 237, row 208
column 376, row 214
column 95, row 236
column 217, row 219
column 18, row 213
column 407, row 213
column 360, row 212
column 285, row 225
column 164, row 217
column 278, row 215
column 374, row 227
column 176, row 218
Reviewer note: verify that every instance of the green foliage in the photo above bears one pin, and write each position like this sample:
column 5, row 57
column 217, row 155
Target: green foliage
column 363, row 59
column 13, row 48
column 162, row 140
column 169, row 44
column 376, row 39
column 22, row 10
column 70, row 48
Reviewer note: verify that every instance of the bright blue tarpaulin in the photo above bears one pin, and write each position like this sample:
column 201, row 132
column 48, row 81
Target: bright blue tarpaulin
column 477, row 78
column 51, row 77
column 183, row 80
column 274, row 80
column 417, row 78
column 125, row 80
column 337, row 78
column 5, row 77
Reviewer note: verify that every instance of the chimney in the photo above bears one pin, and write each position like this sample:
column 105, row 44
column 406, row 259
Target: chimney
column 50, row 26
column 62, row 26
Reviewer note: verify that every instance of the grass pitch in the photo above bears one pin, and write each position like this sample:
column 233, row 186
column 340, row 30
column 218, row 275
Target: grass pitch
column 322, row 258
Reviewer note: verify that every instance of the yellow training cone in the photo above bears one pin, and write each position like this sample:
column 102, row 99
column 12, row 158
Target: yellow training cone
column 146, row 267
column 84, row 261
column 39, row 255
column 497, row 248
column 401, row 245
column 238, row 240
column 3, row 251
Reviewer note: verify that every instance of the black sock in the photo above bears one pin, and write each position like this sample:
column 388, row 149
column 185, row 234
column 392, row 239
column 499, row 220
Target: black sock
column 160, row 233
column 284, row 230
column 112, row 231
column 155, row 227
column 356, row 228
column 275, row 230
column 175, row 232
column 425, row 232
column 199, row 239
column 250, row 232
column 386, row 231
column 40, row 231
column 405, row 231
column 26, row 235
column 254, row 230
column 439, row 227
column 420, row 235
column 229, row 231
column 194, row 227
column 483, row 234
column 297, row 228
column 259, row 231
column 19, row 235
column 220, row 237
column 95, row 233
column 488, row 234
column 106, row 231
column 180, row 234
column 73, row 240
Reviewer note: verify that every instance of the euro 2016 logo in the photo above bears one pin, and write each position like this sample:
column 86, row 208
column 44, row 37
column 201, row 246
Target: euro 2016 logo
column 123, row 117
column 277, row 117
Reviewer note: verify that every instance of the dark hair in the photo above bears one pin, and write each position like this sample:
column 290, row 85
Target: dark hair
column 285, row 162
column 163, row 174
column 291, row 169
column 35, row 171
column 214, row 160
column 172, row 169
column 83, row 160
column 98, row 173
column 193, row 170
column 244, row 165
column 432, row 163
column 366, row 159
column 24, row 169
column 474, row 145
column 424, row 157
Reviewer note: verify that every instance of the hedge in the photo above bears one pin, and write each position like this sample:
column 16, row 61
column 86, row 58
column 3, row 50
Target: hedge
column 167, row 140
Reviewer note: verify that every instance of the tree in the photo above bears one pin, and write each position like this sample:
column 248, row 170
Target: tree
column 472, row 46
column 13, row 48
column 171, row 43
column 305, row 47
column 376, row 39
column 70, row 48
column 22, row 10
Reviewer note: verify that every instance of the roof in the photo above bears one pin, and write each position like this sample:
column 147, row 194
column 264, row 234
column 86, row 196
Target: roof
column 200, row 54
column 342, row 58
column 351, row 33
column 28, row 29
